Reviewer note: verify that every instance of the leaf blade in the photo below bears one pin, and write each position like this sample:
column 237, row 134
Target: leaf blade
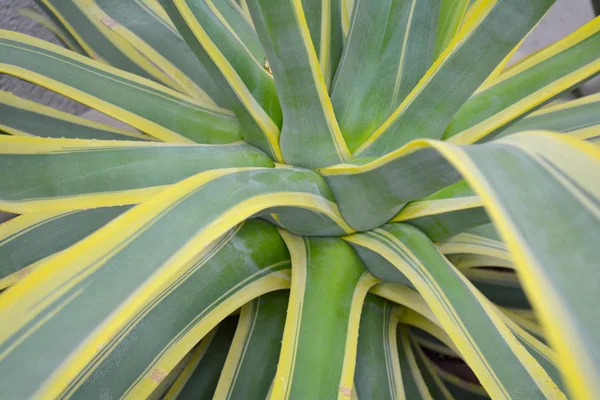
column 83, row 174
column 333, row 331
column 524, row 87
column 299, row 84
column 252, row 360
column 250, row 88
column 382, row 63
column 570, row 117
column 22, row 117
column 496, row 376
column 155, row 37
column 99, row 42
column 446, row 95
column 143, row 104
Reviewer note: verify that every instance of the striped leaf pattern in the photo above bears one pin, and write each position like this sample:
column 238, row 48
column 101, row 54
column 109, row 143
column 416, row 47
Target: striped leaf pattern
column 313, row 199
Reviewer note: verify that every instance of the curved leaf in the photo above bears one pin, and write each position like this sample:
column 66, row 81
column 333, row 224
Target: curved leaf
column 98, row 41
column 468, row 243
column 186, row 367
column 67, row 174
column 321, row 324
column 152, row 108
column 382, row 62
column 156, row 38
column 150, row 245
column 503, row 366
column 501, row 287
column 27, row 239
column 22, row 117
column 202, row 383
column 308, row 117
column 405, row 296
column 502, row 174
column 440, row 388
column 465, row 261
column 142, row 331
column 251, row 363
column 380, row 374
column 446, row 213
column 250, row 88
column 528, row 85
column 570, row 116
column 470, row 57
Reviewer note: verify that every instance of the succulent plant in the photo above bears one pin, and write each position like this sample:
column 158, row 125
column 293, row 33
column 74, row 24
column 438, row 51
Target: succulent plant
column 319, row 199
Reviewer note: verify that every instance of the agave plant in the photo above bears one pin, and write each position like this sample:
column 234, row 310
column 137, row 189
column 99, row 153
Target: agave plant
column 321, row 199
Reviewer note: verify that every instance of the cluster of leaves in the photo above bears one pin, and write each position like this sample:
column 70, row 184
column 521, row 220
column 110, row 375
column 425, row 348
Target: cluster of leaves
column 321, row 199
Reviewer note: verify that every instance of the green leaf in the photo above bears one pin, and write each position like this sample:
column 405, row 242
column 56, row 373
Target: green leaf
column 546, row 357
column 324, row 21
column 452, row 13
column 504, row 368
column 154, row 338
column 157, row 39
column 172, row 385
column 465, row 261
column 250, row 88
column 426, row 327
column 543, row 261
column 382, row 63
column 152, row 108
column 308, row 117
column 27, row 239
column 383, row 369
column 433, row 382
column 503, row 173
column 440, row 387
column 405, row 295
column 460, row 389
column 51, row 23
column 505, row 292
column 427, row 323
column 429, row 341
column 202, row 384
column 487, row 231
column 60, row 25
column 527, row 85
column 572, row 116
column 97, row 41
column 22, row 117
column 408, row 174
column 251, row 363
column 321, row 324
column 445, row 213
column 472, row 55
column 469, row 243
column 150, row 245
column 50, row 174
